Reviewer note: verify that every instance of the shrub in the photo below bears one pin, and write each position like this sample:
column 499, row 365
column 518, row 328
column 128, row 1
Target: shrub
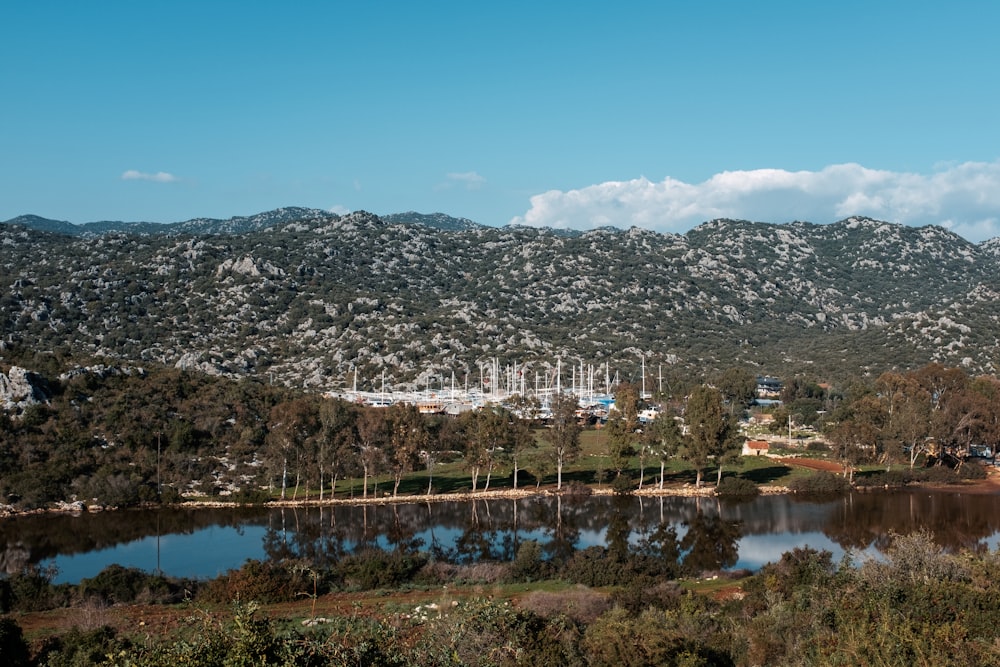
column 440, row 572
column 576, row 488
column 647, row 592
column 13, row 648
column 118, row 585
column 583, row 605
column 892, row 478
column 79, row 647
column 972, row 470
column 594, row 567
column 821, row 483
column 374, row 568
column 250, row 496
column 737, row 487
column 31, row 589
column 259, row 581
column 528, row 564
column 654, row 637
column 938, row 475
column 622, row 485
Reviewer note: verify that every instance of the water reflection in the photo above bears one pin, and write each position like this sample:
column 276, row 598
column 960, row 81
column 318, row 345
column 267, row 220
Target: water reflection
column 706, row 534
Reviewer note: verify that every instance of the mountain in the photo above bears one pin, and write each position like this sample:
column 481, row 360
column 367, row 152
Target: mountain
column 432, row 220
column 307, row 298
column 44, row 224
column 234, row 225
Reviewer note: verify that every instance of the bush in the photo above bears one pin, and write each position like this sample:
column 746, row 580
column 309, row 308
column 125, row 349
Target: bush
column 259, row 581
column 972, row 470
column 622, row 486
column 583, row 605
column 821, row 483
column 892, row 479
column 374, row 568
column 938, row 475
column 737, row 487
column 528, row 564
column 119, row 585
column 251, row 496
column 31, row 589
column 594, row 567
column 79, row 647
column 13, row 648
column 577, row 489
column 438, row 572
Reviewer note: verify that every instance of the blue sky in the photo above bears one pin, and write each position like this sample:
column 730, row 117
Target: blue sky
column 656, row 114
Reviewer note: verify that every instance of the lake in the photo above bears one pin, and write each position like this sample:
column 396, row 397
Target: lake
column 203, row 543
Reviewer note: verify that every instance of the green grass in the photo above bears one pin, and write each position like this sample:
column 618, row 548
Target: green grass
column 592, row 467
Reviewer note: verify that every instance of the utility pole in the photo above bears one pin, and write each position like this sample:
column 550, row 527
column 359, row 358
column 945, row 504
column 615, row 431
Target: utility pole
column 159, row 489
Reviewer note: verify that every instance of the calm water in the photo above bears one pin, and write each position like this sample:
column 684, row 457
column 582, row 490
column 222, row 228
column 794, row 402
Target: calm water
column 205, row 543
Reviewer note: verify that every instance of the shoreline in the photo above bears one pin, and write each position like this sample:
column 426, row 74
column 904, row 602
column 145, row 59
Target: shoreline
column 988, row 486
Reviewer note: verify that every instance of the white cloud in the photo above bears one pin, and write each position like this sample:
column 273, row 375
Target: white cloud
column 469, row 179
column 158, row 177
column 962, row 197
column 338, row 210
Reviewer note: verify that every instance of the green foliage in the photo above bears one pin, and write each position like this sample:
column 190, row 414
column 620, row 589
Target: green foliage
column 258, row 581
column 737, row 487
column 921, row 605
column 490, row 633
column 528, row 564
column 80, row 648
column 821, row 483
column 370, row 569
column 622, row 485
column 32, row 589
column 117, row 585
column 13, row 647
column 654, row 637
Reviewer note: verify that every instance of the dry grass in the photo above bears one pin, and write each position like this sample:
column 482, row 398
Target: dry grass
column 582, row 604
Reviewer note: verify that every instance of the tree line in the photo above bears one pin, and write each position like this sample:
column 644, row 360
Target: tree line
column 126, row 435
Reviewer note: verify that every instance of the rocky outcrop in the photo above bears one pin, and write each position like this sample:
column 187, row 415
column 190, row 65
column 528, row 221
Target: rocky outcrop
column 20, row 388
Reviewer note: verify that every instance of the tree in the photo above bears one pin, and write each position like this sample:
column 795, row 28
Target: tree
column 490, row 436
column 523, row 442
column 407, row 438
column 623, row 422
column 338, row 419
column 711, row 432
column 373, row 433
column 908, row 408
column 292, row 423
column 738, row 387
column 851, row 440
column 565, row 433
column 665, row 439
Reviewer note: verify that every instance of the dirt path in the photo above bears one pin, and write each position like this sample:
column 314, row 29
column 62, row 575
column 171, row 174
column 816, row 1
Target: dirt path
column 813, row 464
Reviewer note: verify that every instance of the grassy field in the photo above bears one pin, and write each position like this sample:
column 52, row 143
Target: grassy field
column 592, row 467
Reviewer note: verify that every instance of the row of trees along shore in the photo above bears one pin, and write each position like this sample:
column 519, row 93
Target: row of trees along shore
column 120, row 436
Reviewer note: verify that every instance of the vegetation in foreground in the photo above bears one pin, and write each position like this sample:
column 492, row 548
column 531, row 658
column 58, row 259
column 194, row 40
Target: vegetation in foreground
column 920, row 606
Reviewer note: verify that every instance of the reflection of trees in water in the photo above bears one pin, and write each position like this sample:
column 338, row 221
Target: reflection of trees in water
column 563, row 531
column 860, row 520
column 44, row 536
column 710, row 543
column 474, row 543
column 494, row 529
column 401, row 533
column 618, row 531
